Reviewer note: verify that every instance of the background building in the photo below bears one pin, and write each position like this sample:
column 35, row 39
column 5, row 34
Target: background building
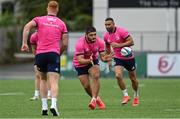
column 149, row 21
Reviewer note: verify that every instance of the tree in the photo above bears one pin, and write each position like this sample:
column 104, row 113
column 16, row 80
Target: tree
column 72, row 12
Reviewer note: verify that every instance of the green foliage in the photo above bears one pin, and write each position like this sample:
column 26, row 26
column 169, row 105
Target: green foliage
column 11, row 48
column 7, row 19
column 71, row 11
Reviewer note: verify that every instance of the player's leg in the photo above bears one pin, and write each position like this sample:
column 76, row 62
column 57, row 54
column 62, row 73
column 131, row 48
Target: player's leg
column 36, row 84
column 131, row 67
column 84, row 79
column 94, row 72
column 49, row 90
column 53, row 76
column 132, row 76
column 83, row 76
column 118, row 69
column 53, row 79
column 43, row 92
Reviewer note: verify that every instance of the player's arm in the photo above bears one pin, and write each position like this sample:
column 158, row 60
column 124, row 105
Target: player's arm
column 82, row 60
column 105, row 57
column 129, row 42
column 26, row 31
column 109, row 52
column 64, row 42
column 108, row 48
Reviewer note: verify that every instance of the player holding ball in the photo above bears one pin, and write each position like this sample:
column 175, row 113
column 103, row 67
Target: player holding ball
column 118, row 38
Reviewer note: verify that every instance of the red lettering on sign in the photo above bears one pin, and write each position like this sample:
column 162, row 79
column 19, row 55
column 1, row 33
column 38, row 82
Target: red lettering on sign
column 165, row 65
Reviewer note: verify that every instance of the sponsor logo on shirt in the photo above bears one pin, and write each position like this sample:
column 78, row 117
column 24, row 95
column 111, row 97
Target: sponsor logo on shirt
column 51, row 19
column 51, row 25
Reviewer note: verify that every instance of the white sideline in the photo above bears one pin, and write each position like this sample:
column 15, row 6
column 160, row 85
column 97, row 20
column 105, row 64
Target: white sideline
column 23, row 55
column 11, row 93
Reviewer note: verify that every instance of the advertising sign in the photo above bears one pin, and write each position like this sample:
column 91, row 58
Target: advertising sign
column 163, row 64
column 143, row 3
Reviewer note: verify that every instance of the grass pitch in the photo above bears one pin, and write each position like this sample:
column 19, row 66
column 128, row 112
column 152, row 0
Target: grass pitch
column 158, row 99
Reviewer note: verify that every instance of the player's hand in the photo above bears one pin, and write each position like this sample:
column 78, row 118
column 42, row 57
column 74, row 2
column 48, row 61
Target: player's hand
column 91, row 59
column 108, row 57
column 110, row 65
column 25, row 48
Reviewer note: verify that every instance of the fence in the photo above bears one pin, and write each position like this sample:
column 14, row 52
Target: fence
column 145, row 41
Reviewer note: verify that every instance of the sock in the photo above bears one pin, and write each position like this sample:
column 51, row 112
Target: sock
column 135, row 93
column 44, row 104
column 36, row 93
column 93, row 98
column 49, row 93
column 53, row 102
column 125, row 93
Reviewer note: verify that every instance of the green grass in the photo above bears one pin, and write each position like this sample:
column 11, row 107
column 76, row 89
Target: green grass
column 158, row 99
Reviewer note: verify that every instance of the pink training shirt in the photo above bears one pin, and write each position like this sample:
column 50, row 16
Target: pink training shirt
column 87, row 49
column 34, row 38
column 50, row 30
column 119, row 36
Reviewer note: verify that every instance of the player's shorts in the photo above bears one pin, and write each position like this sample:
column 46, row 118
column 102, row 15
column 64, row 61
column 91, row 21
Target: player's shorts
column 84, row 70
column 48, row 62
column 35, row 63
column 129, row 64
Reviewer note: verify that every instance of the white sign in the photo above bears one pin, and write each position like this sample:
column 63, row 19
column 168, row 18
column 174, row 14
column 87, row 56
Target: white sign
column 163, row 64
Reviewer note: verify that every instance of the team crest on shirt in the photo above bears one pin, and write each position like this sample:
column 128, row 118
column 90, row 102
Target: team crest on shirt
column 108, row 40
column 117, row 38
column 87, row 50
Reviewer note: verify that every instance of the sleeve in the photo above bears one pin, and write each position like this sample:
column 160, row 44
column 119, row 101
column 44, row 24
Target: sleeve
column 101, row 45
column 79, row 50
column 36, row 19
column 64, row 28
column 124, row 33
column 105, row 38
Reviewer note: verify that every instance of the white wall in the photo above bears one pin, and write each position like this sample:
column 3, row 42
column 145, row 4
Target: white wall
column 100, row 13
column 144, row 19
column 150, row 24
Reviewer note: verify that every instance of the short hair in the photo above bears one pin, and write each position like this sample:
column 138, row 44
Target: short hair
column 53, row 4
column 109, row 19
column 90, row 29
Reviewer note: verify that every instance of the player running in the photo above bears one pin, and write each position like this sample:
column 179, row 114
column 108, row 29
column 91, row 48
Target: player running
column 52, row 41
column 118, row 37
column 87, row 65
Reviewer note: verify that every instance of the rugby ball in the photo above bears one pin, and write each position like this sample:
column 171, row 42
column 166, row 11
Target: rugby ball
column 126, row 52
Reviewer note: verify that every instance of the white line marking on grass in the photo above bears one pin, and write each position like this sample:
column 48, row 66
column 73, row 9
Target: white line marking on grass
column 172, row 110
column 11, row 94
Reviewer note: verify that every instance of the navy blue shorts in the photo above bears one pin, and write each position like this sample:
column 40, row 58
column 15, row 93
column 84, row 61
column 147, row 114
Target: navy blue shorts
column 35, row 63
column 84, row 70
column 129, row 64
column 48, row 62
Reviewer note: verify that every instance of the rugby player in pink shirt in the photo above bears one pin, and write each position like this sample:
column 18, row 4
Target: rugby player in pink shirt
column 86, row 64
column 52, row 41
column 117, row 38
column 33, row 42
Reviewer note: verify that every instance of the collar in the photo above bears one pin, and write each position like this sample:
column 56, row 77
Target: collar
column 51, row 15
